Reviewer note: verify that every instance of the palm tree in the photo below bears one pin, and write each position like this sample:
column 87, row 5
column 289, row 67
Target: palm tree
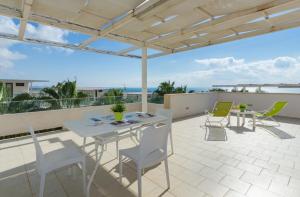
column 168, row 87
column 63, row 94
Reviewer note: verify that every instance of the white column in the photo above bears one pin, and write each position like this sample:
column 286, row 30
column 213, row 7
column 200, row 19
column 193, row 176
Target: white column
column 144, row 80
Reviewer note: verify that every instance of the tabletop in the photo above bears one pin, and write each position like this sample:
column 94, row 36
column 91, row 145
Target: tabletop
column 99, row 126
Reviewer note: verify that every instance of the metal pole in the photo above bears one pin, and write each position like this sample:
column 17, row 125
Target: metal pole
column 144, row 80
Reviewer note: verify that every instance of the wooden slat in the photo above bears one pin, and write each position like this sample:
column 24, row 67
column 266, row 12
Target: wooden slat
column 227, row 21
column 26, row 9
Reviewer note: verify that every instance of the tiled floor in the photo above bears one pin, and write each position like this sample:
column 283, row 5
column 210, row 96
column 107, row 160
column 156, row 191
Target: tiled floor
column 264, row 163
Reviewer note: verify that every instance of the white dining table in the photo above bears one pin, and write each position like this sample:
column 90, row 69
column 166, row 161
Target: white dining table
column 89, row 128
column 238, row 113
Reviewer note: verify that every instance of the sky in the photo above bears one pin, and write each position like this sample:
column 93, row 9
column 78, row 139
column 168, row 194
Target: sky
column 270, row 58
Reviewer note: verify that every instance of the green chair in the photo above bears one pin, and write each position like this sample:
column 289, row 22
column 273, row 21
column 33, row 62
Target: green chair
column 269, row 114
column 219, row 113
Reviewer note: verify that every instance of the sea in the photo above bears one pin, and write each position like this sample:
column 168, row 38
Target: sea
column 36, row 89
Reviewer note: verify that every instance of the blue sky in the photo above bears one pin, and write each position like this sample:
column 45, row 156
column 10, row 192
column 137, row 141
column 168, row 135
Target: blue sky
column 270, row 58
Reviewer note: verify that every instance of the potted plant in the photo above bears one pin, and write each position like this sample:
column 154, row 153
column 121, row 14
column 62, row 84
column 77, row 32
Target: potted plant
column 243, row 107
column 118, row 110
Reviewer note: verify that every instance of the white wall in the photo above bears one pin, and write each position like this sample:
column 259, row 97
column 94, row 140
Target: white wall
column 262, row 101
column 20, row 89
column 183, row 105
column 18, row 123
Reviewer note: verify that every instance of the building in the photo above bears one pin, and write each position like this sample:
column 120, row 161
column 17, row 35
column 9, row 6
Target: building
column 93, row 92
column 19, row 86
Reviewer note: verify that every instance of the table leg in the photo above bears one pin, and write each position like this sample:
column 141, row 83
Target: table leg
column 84, row 144
column 238, row 119
column 244, row 116
column 91, row 178
column 229, row 118
column 254, row 122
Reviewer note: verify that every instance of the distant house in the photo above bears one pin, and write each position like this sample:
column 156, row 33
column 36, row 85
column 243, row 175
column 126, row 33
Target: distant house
column 19, row 86
column 94, row 92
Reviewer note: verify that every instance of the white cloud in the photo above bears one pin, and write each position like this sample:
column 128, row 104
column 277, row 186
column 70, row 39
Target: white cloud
column 230, row 70
column 7, row 25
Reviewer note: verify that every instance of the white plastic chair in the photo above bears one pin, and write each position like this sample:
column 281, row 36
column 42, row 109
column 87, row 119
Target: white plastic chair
column 151, row 151
column 168, row 114
column 56, row 159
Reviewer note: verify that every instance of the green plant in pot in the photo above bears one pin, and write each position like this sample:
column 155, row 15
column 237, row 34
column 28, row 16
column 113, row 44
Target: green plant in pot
column 243, row 107
column 118, row 110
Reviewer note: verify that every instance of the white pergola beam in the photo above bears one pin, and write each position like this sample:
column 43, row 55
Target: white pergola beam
column 144, row 80
column 65, row 45
column 125, row 51
column 26, row 9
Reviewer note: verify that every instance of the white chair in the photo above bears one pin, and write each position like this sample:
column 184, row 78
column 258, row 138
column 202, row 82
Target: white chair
column 46, row 163
column 167, row 113
column 151, row 151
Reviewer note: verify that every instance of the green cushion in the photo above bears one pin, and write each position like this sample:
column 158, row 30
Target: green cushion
column 222, row 109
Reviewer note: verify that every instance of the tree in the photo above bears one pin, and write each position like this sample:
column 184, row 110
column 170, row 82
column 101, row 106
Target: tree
column 62, row 95
column 217, row 90
column 168, row 87
column 3, row 98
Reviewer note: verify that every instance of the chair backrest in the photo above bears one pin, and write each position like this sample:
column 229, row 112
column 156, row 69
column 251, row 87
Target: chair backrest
column 166, row 113
column 38, row 150
column 222, row 109
column 276, row 108
column 153, row 139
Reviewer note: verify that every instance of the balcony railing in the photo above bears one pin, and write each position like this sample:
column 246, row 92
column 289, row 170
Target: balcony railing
column 10, row 107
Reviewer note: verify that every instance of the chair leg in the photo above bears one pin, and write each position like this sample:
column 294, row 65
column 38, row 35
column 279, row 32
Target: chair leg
column 139, row 177
column 84, row 176
column 96, row 148
column 120, row 169
column 167, row 172
column 117, row 148
column 171, row 141
column 42, row 185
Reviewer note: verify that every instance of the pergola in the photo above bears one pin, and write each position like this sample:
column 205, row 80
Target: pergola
column 169, row 26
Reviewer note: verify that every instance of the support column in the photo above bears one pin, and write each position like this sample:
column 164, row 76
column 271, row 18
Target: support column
column 144, row 80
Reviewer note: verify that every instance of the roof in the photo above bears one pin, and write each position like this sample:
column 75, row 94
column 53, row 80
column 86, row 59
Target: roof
column 279, row 85
column 22, row 80
column 169, row 26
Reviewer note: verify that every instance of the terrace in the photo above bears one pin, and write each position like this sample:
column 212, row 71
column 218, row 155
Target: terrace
column 264, row 162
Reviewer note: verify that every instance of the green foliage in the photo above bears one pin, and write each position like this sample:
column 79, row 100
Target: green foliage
column 3, row 92
column 22, row 103
column 118, row 107
column 168, row 87
column 114, row 92
column 64, row 94
column 217, row 90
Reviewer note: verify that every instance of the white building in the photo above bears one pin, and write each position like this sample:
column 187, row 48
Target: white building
column 19, row 86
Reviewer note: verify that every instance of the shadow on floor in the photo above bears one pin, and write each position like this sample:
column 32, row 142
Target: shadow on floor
column 240, row 130
column 214, row 133
column 277, row 132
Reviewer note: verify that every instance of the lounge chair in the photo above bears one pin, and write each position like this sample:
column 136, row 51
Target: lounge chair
column 215, row 118
column 271, row 112
column 220, row 113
